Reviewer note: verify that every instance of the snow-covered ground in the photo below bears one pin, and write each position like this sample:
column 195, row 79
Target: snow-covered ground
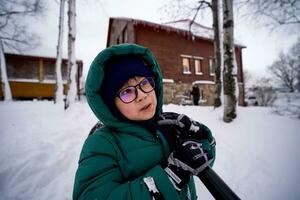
column 257, row 154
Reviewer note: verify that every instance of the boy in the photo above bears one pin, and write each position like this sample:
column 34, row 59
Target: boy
column 130, row 158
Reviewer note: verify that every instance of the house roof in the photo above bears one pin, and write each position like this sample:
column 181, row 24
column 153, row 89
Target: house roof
column 194, row 27
column 185, row 27
column 36, row 56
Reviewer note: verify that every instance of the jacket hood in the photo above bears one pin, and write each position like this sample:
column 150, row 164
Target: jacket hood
column 96, row 75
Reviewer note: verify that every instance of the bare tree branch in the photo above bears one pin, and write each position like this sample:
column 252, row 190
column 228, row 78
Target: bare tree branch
column 13, row 30
column 284, row 70
column 201, row 5
column 10, row 8
column 274, row 13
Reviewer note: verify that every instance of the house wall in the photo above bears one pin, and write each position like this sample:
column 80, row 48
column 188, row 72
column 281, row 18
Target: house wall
column 121, row 32
column 169, row 47
column 30, row 90
column 178, row 93
column 35, row 68
column 34, row 77
column 160, row 42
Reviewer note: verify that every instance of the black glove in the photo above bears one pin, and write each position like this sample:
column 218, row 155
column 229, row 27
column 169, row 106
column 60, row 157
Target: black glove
column 178, row 176
column 178, row 126
column 188, row 159
column 179, row 120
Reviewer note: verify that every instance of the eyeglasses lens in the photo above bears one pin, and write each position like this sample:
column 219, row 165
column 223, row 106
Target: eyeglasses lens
column 128, row 94
column 147, row 85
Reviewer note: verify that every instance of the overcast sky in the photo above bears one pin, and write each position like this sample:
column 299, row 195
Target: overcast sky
column 262, row 45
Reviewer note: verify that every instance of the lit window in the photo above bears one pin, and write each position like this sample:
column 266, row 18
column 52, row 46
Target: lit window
column 211, row 66
column 198, row 66
column 186, row 66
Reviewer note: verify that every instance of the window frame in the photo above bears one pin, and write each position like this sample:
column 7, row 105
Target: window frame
column 211, row 64
column 183, row 66
column 200, row 59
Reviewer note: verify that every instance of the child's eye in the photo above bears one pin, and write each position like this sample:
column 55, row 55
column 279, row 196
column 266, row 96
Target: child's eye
column 144, row 82
column 127, row 91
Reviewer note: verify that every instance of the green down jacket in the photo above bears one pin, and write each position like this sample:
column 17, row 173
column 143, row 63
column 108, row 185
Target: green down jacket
column 115, row 159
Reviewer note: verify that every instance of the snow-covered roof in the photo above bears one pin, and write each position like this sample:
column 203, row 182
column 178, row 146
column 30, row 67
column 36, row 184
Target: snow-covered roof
column 35, row 55
column 196, row 29
column 193, row 27
column 180, row 27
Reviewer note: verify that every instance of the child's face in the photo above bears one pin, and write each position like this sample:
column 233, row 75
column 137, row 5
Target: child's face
column 140, row 109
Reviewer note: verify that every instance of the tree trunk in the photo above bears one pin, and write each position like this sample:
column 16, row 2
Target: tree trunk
column 298, row 76
column 229, row 85
column 217, row 52
column 72, row 67
column 3, row 78
column 59, row 84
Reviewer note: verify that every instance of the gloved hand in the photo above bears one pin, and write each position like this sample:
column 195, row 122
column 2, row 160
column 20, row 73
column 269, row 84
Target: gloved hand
column 180, row 126
column 188, row 159
column 179, row 120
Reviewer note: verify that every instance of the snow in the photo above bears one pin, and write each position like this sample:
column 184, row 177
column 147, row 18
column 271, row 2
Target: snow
column 166, row 80
column 24, row 80
column 257, row 154
column 203, row 82
column 288, row 104
column 195, row 28
column 28, row 80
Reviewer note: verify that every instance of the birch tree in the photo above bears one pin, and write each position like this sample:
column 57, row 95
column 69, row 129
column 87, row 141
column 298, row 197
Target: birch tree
column 216, row 9
column 14, row 34
column 72, row 67
column 229, row 82
column 58, row 75
column 4, row 79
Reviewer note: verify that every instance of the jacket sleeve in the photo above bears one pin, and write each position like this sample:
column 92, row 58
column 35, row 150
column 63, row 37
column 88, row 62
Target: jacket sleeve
column 99, row 177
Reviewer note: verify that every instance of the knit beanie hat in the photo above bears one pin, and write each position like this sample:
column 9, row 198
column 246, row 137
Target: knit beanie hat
column 116, row 72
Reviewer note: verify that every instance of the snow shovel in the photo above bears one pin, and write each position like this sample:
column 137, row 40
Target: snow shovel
column 216, row 186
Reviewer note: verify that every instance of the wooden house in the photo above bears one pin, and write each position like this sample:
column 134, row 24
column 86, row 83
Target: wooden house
column 185, row 54
column 34, row 76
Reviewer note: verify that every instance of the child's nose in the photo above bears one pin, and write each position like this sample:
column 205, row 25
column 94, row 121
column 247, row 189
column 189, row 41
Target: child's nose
column 140, row 94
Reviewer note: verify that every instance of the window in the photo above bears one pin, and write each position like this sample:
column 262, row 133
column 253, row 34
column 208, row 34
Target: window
column 186, row 65
column 49, row 70
column 198, row 66
column 64, row 71
column 211, row 66
column 24, row 69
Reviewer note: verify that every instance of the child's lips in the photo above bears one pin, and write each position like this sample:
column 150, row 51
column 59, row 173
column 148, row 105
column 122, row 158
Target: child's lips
column 146, row 107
